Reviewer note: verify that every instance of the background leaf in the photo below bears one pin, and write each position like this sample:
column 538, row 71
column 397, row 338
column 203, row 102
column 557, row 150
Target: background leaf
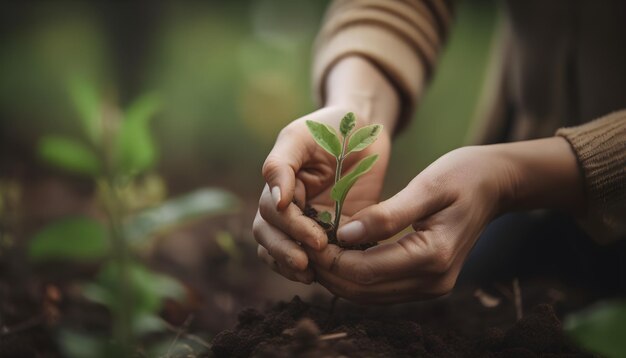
column 144, row 108
column 86, row 100
column 78, row 344
column 149, row 289
column 78, row 238
column 68, row 154
column 326, row 137
column 347, row 124
column 178, row 211
column 227, row 243
column 136, row 151
column 363, row 137
column 342, row 187
column 600, row 329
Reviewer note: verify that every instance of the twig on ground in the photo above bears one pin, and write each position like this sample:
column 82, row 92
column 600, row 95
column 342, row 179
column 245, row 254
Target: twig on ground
column 338, row 335
column 189, row 336
column 179, row 331
column 517, row 294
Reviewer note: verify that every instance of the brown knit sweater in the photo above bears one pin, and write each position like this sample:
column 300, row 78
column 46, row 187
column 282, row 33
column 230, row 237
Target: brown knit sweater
column 561, row 64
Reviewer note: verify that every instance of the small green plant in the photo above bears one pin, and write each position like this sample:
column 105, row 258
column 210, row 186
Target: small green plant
column 118, row 153
column 340, row 147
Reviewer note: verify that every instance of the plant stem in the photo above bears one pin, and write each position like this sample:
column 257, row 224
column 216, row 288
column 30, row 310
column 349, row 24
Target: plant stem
column 123, row 307
column 339, row 205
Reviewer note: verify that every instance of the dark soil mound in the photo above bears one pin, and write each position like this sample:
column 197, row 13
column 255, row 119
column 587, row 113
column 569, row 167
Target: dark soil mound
column 299, row 329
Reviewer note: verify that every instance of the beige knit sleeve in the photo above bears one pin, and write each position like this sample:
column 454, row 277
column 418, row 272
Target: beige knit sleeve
column 600, row 147
column 400, row 37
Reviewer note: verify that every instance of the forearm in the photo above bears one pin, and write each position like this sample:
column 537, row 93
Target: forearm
column 541, row 173
column 357, row 85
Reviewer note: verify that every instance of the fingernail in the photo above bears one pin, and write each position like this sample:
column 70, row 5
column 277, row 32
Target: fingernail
column 276, row 195
column 351, row 232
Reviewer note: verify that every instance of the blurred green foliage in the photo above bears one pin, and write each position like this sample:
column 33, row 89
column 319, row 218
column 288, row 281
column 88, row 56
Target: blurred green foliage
column 119, row 148
column 226, row 72
column 73, row 238
column 600, row 328
column 174, row 213
column 150, row 289
column 69, row 154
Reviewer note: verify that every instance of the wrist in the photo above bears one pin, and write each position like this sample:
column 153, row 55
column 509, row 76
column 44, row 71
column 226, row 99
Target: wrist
column 540, row 174
column 357, row 85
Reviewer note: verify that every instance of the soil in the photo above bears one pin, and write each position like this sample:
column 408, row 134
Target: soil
column 38, row 300
column 297, row 328
column 330, row 233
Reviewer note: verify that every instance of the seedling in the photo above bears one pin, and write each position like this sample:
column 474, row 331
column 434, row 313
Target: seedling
column 340, row 147
column 119, row 154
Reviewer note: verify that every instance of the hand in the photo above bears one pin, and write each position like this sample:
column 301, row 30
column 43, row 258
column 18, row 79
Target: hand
column 448, row 205
column 297, row 168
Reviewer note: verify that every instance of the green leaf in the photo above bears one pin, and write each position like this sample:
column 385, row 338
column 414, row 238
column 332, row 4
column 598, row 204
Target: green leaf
column 78, row 238
column 326, row 137
column 363, row 137
column 227, row 243
column 68, row 154
column 144, row 108
column 600, row 329
column 144, row 323
column 136, row 151
column 343, row 186
column 98, row 294
column 325, row 217
column 86, row 100
column 179, row 211
column 75, row 344
column 149, row 289
column 347, row 124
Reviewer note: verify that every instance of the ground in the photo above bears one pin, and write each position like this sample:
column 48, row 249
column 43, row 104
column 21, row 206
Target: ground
column 238, row 307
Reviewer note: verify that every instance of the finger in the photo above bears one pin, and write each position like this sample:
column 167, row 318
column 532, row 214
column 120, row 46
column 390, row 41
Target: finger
column 382, row 221
column 422, row 253
column 385, row 292
column 306, row 276
column 300, row 194
column 286, row 251
column 281, row 166
column 292, row 222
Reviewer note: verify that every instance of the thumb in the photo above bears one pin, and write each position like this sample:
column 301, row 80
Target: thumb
column 385, row 219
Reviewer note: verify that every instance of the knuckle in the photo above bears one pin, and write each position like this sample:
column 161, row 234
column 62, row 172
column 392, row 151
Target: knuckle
column 353, row 292
column 441, row 261
column 266, row 205
column 430, row 184
column 287, row 131
column 442, row 288
column 270, row 166
column 257, row 227
column 383, row 219
column 365, row 275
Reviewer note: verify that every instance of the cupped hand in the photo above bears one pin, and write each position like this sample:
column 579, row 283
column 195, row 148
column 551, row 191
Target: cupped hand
column 298, row 172
column 448, row 205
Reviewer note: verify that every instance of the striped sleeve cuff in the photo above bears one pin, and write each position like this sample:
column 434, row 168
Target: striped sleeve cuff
column 400, row 38
column 600, row 147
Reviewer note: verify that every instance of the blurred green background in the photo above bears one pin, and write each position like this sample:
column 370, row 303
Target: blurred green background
column 230, row 75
